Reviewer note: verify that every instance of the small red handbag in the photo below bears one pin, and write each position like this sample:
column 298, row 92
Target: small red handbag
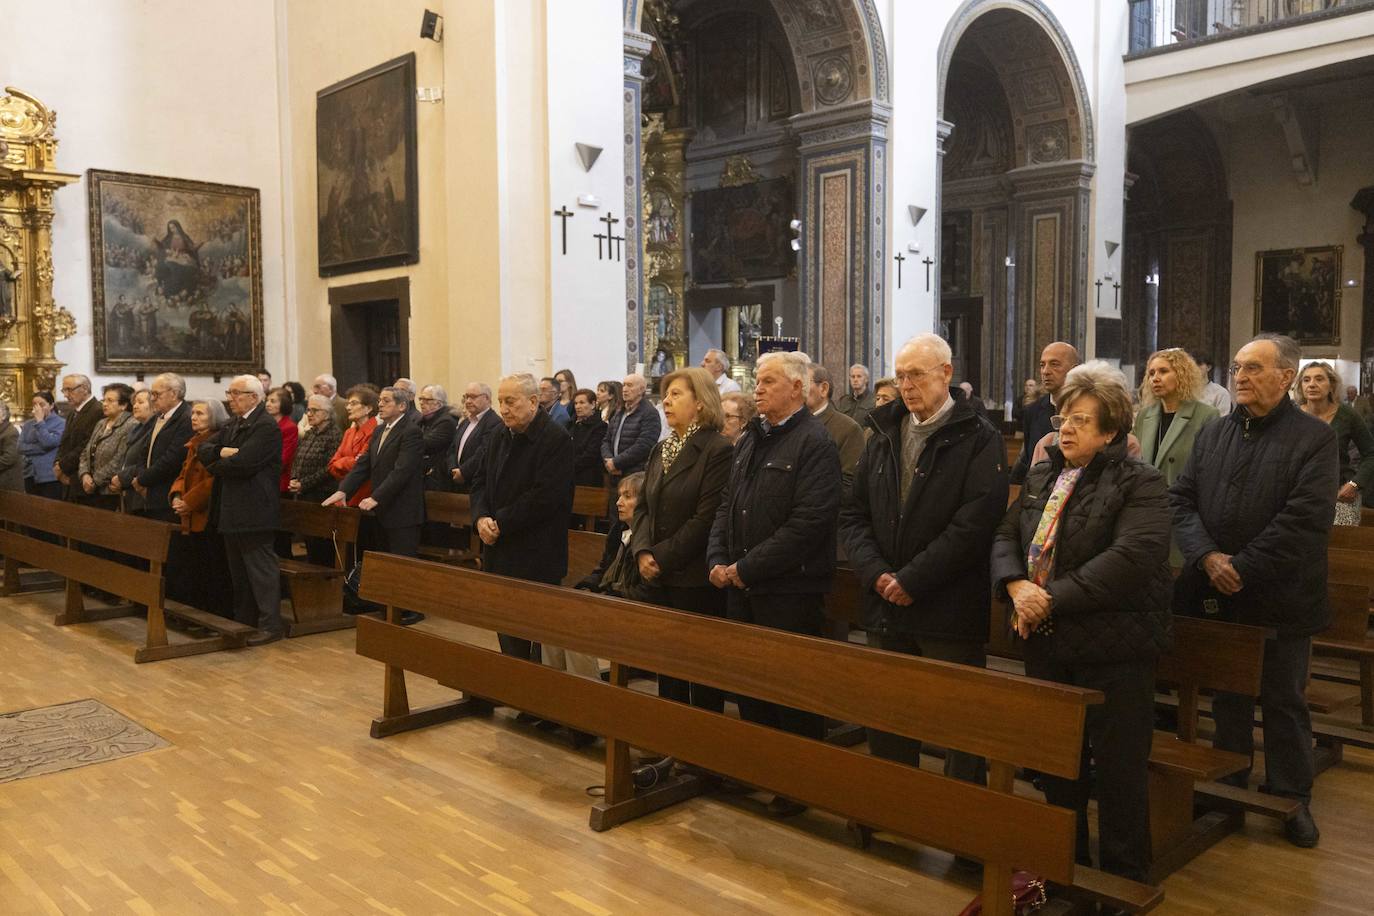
column 1027, row 895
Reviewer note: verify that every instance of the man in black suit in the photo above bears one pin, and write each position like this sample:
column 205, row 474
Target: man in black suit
column 161, row 464
column 1055, row 362
column 522, row 495
column 437, row 425
column 394, row 463
column 471, row 437
column 85, row 413
column 244, row 457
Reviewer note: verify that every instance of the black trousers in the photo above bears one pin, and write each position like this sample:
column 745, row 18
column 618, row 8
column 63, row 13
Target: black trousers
column 49, row 489
column 1117, row 737
column 256, row 578
column 1288, row 763
column 803, row 614
column 404, row 542
column 707, row 600
column 960, row 765
column 198, row 572
column 524, row 648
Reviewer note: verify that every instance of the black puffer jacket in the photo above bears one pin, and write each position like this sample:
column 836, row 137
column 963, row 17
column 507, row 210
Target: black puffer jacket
column 778, row 513
column 1111, row 586
column 938, row 547
column 1261, row 490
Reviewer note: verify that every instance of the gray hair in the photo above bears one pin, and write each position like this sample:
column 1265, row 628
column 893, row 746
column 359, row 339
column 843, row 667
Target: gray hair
column 399, row 394
column 932, row 342
column 83, row 380
column 1099, row 380
column 793, row 364
column 721, row 359
column 821, row 376
column 329, row 380
column 524, row 381
column 322, row 402
column 1289, row 352
column 173, row 381
column 251, row 383
column 215, row 410
column 437, row 392
column 407, row 384
column 484, row 388
column 862, row 368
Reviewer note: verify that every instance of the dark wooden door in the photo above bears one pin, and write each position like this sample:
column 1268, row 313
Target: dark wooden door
column 961, row 325
column 369, row 329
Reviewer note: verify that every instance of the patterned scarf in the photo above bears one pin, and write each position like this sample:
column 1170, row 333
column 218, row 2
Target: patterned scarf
column 1040, row 557
column 672, row 446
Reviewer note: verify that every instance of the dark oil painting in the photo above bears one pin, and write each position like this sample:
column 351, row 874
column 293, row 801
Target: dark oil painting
column 1298, row 293
column 742, row 232
column 176, row 274
column 366, row 173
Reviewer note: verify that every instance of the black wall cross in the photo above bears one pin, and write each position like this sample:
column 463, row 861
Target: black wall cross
column 899, row 258
column 564, row 214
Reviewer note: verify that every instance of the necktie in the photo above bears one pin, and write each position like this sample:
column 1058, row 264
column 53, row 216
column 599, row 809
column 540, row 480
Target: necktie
column 382, row 441
column 157, row 428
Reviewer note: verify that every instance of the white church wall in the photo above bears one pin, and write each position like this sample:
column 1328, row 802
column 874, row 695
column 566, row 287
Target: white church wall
column 192, row 95
column 1273, row 211
column 323, row 42
column 584, row 88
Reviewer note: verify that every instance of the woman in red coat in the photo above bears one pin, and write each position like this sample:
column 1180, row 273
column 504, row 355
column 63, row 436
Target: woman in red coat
column 279, row 405
column 362, row 421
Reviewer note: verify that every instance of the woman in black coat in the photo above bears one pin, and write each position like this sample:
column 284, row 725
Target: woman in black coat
column 683, row 483
column 1084, row 556
column 587, row 432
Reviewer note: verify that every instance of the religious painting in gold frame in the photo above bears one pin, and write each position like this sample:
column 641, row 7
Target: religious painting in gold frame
column 1298, row 293
column 176, row 275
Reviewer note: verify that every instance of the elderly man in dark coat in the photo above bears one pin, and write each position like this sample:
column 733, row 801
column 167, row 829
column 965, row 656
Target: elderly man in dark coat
column 244, row 457
column 918, row 525
column 1252, row 514
column 82, row 419
column 772, row 544
column 437, row 426
column 394, row 465
column 522, row 495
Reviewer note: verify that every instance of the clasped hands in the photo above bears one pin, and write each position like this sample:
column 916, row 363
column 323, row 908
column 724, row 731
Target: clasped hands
column 891, row 591
column 488, row 530
column 722, row 576
column 1031, row 605
column 1223, row 575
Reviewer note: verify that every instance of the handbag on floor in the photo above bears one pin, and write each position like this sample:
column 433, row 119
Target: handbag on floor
column 1027, row 895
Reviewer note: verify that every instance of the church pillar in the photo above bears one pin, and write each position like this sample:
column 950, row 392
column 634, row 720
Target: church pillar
column 637, row 47
column 1364, row 203
column 943, row 130
column 843, row 173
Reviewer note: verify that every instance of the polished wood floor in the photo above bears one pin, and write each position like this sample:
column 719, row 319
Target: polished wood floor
column 273, row 799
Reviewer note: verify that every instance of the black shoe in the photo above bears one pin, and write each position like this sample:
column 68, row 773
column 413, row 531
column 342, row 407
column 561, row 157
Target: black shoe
column 411, row 617
column 263, row 637
column 652, row 773
column 782, row 806
column 1301, row 830
column 525, row 718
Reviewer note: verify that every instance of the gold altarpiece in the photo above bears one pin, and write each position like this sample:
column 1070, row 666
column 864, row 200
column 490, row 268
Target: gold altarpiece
column 31, row 323
column 665, row 240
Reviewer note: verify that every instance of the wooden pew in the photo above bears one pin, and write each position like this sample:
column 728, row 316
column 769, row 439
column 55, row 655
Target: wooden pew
column 1348, row 637
column 142, row 539
column 584, row 554
column 1011, row 721
column 454, row 509
column 1366, row 518
column 316, row 592
column 592, row 504
column 1209, row 656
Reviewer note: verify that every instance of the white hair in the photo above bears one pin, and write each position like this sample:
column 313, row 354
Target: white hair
column 862, row 368
column 329, row 380
column 721, row 359
column 484, row 388
column 250, row 383
column 932, row 342
column 437, row 392
column 320, row 401
column 524, row 381
column 794, row 365
column 173, row 381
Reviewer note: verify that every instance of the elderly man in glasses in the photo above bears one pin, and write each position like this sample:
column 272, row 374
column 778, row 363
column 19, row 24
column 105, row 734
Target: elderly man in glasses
column 244, row 457
column 1252, row 513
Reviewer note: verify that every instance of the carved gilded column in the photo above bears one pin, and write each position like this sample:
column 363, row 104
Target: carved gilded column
column 665, row 240
column 31, row 323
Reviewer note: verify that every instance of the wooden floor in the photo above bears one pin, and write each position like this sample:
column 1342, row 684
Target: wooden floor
column 272, row 798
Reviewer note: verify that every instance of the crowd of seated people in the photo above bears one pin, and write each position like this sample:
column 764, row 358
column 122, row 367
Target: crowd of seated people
column 737, row 504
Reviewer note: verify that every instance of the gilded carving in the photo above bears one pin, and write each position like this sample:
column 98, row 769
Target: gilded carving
column 738, row 170
column 27, row 182
column 664, row 237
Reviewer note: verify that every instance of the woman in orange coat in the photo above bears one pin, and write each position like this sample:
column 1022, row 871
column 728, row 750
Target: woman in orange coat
column 197, row 569
column 362, row 421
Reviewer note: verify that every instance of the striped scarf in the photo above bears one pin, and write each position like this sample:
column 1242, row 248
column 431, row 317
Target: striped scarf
column 672, row 446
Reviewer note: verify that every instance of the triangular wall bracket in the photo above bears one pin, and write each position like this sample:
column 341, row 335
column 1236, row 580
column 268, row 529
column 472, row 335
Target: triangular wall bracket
column 588, row 154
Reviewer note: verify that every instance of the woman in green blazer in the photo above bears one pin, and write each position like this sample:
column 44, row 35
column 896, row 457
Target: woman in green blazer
column 1170, row 416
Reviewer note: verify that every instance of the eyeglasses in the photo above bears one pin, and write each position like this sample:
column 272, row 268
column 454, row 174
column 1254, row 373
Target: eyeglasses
column 1072, row 421
column 236, row 392
column 429, row 400
column 318, row 410
column 70, row 390
column 916, row 376
column 1237, row 369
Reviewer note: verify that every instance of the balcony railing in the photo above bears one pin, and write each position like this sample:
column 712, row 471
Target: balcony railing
column 1160, row 24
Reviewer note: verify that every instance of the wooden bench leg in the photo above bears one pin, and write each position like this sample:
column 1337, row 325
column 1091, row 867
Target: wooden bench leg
column 997, row 899
column 397, row 715
column 1175, row 837
column 1367, row 691
column 11, row 584
column 623, row 802
column 317, row 606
